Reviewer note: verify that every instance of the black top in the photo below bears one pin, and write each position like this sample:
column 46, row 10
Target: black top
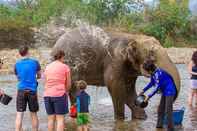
column 194, row 69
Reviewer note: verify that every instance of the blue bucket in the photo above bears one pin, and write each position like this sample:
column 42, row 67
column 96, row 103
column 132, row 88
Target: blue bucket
column 177, row 116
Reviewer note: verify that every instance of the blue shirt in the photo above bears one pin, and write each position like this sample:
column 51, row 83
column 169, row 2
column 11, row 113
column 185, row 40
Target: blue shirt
column 162, row 81
column 83, row 101
column 26, row 71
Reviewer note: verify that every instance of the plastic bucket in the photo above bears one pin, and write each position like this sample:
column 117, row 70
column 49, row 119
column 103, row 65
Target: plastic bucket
column 5, row 99
column 73, row 111
column 177, row 117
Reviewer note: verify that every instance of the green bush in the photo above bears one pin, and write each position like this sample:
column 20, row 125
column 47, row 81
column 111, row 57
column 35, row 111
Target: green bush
column 168, row 42
column 36, row 14
column 167, row 19
column 155, row 29
column 95, row 12
column 166, row 22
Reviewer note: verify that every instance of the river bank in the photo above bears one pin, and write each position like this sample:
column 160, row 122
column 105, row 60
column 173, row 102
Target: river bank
column 177, row 55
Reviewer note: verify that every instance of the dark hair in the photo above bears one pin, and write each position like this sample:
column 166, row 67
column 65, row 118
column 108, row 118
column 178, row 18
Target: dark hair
column 194, row 58
column 81, row 84
column 23, row 50
column 149, row 66
column 58, row 55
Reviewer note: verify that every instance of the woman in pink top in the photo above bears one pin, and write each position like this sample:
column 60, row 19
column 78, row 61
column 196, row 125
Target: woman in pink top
column 57, row 83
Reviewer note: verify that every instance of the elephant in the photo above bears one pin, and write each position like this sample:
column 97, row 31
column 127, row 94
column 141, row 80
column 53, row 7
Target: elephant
column 113, row 59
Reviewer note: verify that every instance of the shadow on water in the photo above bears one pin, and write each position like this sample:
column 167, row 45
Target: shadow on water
column 101, row 109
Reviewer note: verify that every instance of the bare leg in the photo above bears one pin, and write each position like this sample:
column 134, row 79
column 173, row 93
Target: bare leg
column 116, row 88
column 190, row 99
column 35, row 121
column 51, row 122
column 195, row 96
column 60, row 122
column 118, row 99
column 85, row 128
column 80, row 128
column 137, row 112
column 118, row 108
column 19, row 119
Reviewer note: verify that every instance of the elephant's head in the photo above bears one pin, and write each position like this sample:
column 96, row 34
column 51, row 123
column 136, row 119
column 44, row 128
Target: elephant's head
column 140, row 48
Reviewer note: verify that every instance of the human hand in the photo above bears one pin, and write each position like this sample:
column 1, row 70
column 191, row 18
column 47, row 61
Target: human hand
column 141, row 93
column 146, row 99
column 1, row 92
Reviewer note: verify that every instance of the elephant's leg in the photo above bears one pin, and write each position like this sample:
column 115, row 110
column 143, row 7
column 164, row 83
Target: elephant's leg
column 118, row 103
column 137, row 112
column 117, row 92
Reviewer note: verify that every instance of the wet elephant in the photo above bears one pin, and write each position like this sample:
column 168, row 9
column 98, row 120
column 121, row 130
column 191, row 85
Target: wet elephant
column 114, row 60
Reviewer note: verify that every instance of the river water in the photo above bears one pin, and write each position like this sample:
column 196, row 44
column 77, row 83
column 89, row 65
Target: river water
column 101, row 109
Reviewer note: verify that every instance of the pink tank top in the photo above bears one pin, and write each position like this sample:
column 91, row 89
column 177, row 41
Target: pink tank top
column 55, row 79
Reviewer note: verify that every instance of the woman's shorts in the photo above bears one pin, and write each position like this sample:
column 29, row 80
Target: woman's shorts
column 83, row 118
column 193, row 84
column 56, row 105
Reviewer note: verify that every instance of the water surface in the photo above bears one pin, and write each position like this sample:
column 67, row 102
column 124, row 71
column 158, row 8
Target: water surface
column 101, row 109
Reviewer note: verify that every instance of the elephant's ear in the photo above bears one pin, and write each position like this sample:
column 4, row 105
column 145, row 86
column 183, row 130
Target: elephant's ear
column 133, row 54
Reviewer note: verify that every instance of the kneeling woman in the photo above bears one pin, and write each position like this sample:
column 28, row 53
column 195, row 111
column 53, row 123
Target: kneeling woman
column 57, row 83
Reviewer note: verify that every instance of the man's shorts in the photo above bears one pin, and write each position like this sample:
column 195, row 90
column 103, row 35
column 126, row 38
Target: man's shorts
column 25, row 97
column 56, row 105
column 82, row 118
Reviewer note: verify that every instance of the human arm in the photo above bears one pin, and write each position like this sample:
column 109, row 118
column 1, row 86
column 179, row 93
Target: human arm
column 68, row 80
column 15, row 71
column 1, row 92
column 158, row 79
column 190, row 68
column 148, row 86
column 38, row 70
column 153, row 92
column 78, row 104
column 39, row 74
column 88, row 100
column 193, row 73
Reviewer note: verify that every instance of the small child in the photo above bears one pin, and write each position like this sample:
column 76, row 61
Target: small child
column 83, row 101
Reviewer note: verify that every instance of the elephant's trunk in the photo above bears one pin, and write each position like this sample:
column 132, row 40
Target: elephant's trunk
column 165, row 63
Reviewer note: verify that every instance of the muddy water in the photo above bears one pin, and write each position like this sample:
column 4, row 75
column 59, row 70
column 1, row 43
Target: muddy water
column 102, row 110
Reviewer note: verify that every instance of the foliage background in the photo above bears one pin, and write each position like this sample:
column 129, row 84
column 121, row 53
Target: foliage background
column 170, row 22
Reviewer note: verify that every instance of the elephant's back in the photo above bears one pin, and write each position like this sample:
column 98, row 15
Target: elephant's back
column 84, row 48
